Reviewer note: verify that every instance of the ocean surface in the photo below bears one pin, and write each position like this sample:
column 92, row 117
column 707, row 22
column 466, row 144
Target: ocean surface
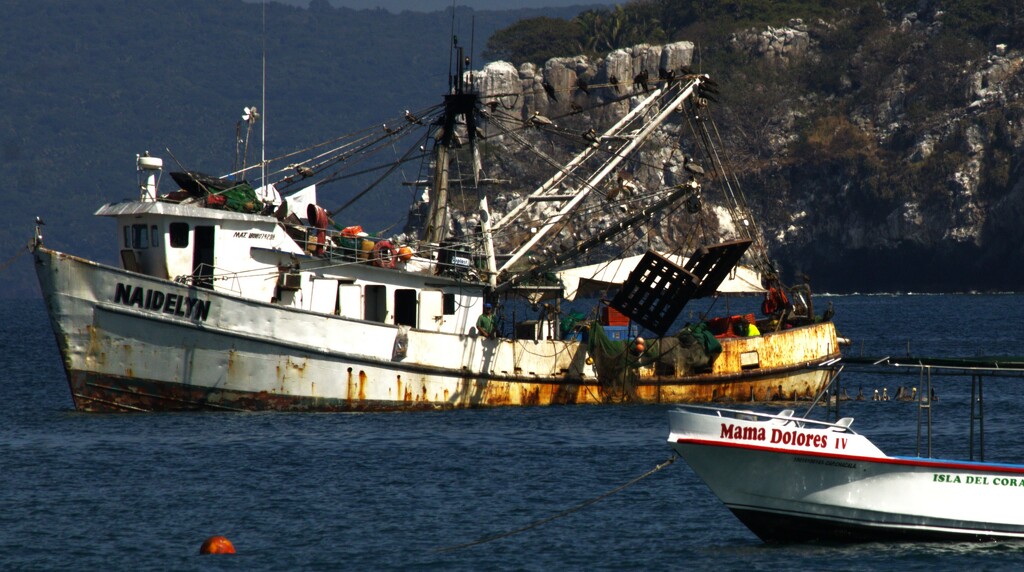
column 398, row 490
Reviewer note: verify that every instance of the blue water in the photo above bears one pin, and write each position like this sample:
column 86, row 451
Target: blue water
column 385, row 491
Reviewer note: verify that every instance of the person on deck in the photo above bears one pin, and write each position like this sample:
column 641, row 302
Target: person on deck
column 752, row 329
column 485, row 323
column 745, row 327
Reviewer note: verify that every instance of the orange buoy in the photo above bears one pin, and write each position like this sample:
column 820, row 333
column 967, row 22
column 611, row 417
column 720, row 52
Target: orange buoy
column 404, row 253
column 217, row 545
column 640, row 345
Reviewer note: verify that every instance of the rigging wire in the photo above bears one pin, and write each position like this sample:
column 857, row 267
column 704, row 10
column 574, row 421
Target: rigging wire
column 365, row 141
column 357, row 135
column 369, row 145
column 758, row 236
column 380, row 179
column 537, row 218
column 735, row 204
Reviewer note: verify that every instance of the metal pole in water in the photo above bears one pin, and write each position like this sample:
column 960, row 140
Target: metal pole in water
column 929, row 412
column 921, row 404
column 970, row 448
column 981, row 418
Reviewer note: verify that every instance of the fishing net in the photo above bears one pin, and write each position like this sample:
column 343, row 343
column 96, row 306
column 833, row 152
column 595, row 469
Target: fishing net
column 616, row 363
column 570, row 324
column 696, row 348
column 691, row 351
column 240, row 198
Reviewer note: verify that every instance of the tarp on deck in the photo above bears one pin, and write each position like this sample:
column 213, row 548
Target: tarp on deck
column 598, row 278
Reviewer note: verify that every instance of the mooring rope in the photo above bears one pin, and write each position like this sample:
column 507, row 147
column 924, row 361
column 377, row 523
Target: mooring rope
column 11, row 260
column 565, row 512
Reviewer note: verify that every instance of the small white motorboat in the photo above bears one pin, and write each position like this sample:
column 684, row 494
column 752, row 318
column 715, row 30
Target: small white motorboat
column 793, row 479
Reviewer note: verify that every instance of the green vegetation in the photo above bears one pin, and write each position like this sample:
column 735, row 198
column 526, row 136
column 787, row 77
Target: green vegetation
column 534, row 40
column 835, row 138
column 598, row 31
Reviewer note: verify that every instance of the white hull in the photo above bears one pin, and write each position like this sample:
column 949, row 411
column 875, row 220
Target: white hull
column 205, row 349
column 233, row 297
column 798, row 481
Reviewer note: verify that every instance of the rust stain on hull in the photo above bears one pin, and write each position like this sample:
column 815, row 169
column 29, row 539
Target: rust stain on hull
column 731, row 379
column 103, row 393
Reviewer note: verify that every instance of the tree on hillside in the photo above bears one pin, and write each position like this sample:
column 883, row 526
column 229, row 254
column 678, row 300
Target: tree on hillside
column 606, row 30
column 534, row 40
column 990, row 21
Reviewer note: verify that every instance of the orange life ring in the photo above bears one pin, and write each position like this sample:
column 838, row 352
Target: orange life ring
column 384, row 254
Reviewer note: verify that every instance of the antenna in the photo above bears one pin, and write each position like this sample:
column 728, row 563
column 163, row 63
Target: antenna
column 238, row 142
column 451, row 49
column 250, row 115
column 263, row 125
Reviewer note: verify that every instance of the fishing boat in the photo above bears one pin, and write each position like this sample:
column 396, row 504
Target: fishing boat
column 795, row 479
column 238, row 296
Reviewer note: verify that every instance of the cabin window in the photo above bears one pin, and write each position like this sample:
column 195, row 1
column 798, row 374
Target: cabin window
column 405, row 307
column 127, row 236
column 448, row 304
column 140, row 236
column 179, row 234
column 154, row 236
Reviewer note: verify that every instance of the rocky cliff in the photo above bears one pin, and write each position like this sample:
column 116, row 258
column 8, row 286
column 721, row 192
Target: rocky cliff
column 889, row 162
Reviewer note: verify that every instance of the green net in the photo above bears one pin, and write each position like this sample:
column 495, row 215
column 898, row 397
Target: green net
column 691, row 351
column 240, row 198
column 701, row 335
column 616, row 362
column 695, row 349
column 570, row 324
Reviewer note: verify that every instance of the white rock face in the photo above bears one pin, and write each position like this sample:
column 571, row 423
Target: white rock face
column 522, row 92
column 777, row 44
column 581, row 92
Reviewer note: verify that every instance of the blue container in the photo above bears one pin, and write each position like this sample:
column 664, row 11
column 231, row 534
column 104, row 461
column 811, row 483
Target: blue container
column 620, row 333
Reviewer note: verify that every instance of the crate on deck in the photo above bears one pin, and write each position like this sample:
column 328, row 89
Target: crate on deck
column 612, row 317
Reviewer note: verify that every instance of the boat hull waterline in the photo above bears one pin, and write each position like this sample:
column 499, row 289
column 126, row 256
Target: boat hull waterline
column 133, row 342
column 796, row 481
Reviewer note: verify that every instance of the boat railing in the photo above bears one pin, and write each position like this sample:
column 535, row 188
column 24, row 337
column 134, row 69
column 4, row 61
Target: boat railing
column 784, row 417
column 977, row 368
column 205, row 275
column 353, row 246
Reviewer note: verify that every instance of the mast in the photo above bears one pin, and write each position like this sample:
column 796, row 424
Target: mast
column 437, row 218
column 461, row 102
